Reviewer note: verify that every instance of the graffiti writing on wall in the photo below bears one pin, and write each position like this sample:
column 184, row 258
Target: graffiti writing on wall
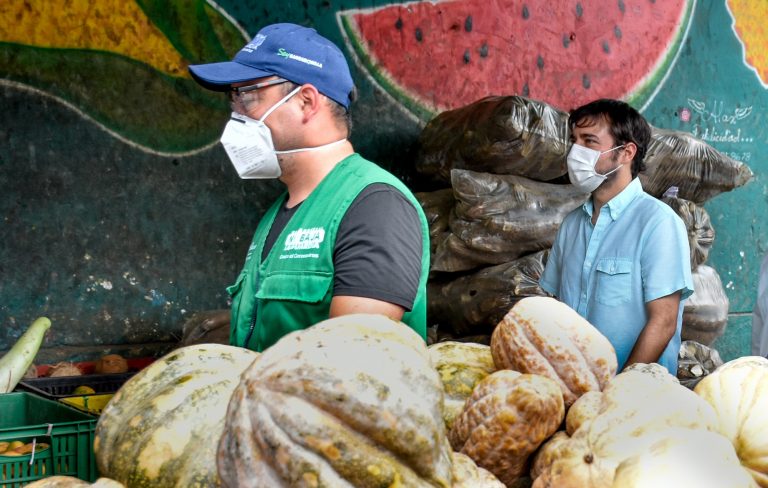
column 720, row 124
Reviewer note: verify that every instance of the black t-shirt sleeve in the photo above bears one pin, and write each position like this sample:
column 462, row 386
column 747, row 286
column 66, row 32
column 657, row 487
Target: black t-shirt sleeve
column 378, row 248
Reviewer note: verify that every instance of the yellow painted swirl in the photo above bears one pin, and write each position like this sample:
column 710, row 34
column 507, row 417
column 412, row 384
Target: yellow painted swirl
column 118, row 26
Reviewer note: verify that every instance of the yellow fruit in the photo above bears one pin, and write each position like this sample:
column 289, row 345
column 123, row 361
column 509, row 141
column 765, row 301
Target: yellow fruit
column 19, row 448
column 25, row 449
column 28, row 447
column 83, row 390
column 14, row 445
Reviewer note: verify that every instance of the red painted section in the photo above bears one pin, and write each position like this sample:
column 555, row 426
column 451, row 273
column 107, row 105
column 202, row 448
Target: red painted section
column 565, row 52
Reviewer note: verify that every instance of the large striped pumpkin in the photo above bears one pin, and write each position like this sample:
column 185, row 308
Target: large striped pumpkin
column 350, row 402
column 505, row 420
column 589, row 405
column 162, row 427
column 684, row 457
column 738, row 391
column 541, row 335
column 634, row 411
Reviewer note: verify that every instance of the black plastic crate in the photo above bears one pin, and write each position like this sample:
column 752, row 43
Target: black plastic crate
column 64, row 386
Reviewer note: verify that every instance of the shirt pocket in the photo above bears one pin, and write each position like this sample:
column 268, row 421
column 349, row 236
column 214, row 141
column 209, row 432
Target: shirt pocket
column 234, row 290
column 304, row 286
column 239, row 302
column 614, row 281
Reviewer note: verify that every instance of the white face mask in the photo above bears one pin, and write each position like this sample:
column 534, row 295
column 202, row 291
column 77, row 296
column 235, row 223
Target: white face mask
column 581, row 163
column 248, row 143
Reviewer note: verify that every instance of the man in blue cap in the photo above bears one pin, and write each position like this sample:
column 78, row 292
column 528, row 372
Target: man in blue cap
column 346, row 236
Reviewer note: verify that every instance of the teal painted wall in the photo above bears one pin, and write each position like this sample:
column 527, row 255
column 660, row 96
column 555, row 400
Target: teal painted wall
column 712, row 72
column 121, row 216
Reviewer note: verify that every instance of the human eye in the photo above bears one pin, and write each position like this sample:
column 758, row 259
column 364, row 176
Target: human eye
column 242, row 101
column 591, row 141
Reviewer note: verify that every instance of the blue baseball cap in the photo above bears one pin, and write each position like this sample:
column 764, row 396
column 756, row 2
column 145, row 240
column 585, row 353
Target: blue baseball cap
column 298, row 54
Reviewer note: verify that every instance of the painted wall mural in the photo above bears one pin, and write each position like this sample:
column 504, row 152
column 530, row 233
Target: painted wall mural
column 122, row 215
column 750, row 30
column 123, row 64
column 437, row 56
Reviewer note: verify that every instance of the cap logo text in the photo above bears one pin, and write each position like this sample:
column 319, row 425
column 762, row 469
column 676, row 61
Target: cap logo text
column 282, row 52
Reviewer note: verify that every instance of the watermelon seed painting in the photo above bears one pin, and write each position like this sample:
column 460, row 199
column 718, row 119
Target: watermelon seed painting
column 435, row 56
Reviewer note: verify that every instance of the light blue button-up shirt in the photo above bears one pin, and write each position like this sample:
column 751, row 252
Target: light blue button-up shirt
column 637, row 251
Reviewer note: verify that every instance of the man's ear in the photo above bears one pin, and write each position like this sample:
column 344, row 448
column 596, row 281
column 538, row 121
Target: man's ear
column 630, row 149
column 311, row 101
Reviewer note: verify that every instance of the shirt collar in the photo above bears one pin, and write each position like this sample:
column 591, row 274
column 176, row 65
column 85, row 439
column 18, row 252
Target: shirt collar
column 620, row 202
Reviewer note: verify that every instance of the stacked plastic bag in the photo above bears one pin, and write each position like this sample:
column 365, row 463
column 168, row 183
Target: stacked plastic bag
column 500, row 164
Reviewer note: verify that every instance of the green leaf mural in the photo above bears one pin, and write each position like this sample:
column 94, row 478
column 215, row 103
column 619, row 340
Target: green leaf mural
column 123, row 64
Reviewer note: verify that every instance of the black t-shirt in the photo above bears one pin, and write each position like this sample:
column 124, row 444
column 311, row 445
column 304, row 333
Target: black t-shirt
column 378, row 246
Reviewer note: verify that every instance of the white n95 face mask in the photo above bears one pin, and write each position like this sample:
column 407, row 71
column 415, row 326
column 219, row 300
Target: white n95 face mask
column 248, row 143
column 581, row 163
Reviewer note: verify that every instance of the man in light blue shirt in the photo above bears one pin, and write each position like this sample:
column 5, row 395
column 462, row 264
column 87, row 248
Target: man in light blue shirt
column 621, row 260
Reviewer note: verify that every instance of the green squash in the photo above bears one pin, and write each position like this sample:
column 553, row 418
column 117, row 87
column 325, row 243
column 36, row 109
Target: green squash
column 461, row 366
column 161, row 429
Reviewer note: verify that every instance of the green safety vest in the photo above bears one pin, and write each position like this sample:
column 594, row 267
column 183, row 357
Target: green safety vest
column 293, row 287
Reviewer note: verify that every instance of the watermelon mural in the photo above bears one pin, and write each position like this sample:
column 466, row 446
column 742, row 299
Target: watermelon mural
column 749, row 26
column 109, row 59
column 436, row 56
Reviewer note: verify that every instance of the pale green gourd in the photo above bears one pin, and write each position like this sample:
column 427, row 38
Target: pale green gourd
column 16, row 362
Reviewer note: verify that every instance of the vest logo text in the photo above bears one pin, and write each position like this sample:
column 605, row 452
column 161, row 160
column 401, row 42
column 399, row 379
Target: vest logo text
column 302, row 239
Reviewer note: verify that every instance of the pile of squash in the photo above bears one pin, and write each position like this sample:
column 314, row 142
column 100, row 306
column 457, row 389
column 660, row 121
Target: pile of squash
column 361, row 401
